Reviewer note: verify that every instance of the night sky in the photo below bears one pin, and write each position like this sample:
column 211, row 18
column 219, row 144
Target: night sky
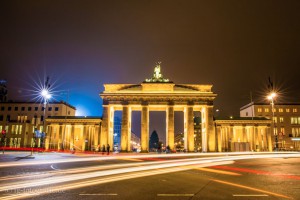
column 234, row 45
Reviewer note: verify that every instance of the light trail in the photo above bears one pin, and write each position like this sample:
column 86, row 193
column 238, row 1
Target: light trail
column 141, row 156
column 80, row 184
column 148, row 169
column 219, row 171
column 76, row 177
column 95, row 168
column 252, row 188
column 86, row 169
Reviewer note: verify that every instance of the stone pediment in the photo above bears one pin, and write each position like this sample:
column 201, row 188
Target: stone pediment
column 157, row 88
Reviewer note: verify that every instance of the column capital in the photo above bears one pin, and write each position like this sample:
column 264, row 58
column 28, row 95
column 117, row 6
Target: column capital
column 125, row 103
column 190, row 103
column 171, row 103
column 144, row 103
column 105, row 102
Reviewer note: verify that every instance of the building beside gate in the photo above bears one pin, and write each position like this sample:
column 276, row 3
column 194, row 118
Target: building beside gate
column 21, row 119
column 73, row 133
column 286, row 121
column 243, row 134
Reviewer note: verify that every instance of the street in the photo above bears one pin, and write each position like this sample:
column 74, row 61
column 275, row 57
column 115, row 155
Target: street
column 150, row 176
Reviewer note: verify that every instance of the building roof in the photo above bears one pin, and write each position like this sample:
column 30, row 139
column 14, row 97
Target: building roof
column 74, row 117
column 31, row 102
column 265, row 104
column 240, row 118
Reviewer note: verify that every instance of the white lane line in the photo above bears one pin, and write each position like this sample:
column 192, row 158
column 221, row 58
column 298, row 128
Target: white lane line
column 98, row 194
column 53, row 167
column 250, row 195
column 175, row 195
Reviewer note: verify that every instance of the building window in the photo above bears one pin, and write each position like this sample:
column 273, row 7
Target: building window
column 2, row 108
column 296, row 132
column 280, row 110
column 275, row 119
column 8, row 118
column 56, row 108
column 274, row 109
column 294, row 120
column 259, row 110
column 50, row 109
column 29, row 109
column 22, row 108
column 16, row 108
column 36, row 108
column 43, row 108
column 9, row 108
column 1, row 118
column 281, row 119
column 282, row 131
column 42, row 118
column 295, row 110
column 266, row 109
column 287, row 110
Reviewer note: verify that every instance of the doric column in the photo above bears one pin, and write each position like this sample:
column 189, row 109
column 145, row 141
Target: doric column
column 204, row 130
column 170, row 126
column 95, row 136
column 72, row 138
column 190, row 129
column 105, row 125
column 185, row 129
column 244, row 136
column 48, row 138
column 84, row 138
column 269, row 137
column 231, row 138
column 126, row 129
column 210, row 129
column 256, row 141
column 59, row 141
column 259, row 136
column 145, row 129
column 219, row 133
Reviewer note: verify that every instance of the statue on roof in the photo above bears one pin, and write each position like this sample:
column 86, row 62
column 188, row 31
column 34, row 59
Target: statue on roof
column 157, row 76
column 157, row 73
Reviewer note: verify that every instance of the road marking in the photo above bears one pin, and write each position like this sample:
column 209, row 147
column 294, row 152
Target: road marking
column 218, row 171
column 98, row 194
column 257, row 172
column 251, row 188
column 131, row 159
column 175, row 195
column 53, row 167
column 250, row 195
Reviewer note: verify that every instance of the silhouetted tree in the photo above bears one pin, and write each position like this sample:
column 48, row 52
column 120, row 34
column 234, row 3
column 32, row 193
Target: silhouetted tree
column 153, row 143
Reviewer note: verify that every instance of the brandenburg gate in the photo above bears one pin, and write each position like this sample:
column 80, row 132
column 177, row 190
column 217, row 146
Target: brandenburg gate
column 158, row 94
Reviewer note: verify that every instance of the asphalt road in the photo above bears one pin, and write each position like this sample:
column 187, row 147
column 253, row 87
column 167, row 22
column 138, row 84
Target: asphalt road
column 188, row 176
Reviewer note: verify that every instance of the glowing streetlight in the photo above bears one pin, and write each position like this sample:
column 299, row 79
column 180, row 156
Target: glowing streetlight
column 45, row 93
column 271, row 97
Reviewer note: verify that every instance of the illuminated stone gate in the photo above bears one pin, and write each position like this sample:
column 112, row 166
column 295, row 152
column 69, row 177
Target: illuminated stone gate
column 158, row 94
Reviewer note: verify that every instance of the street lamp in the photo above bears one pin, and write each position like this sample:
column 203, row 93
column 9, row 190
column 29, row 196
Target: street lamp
column 271, row 98
column 46, row 96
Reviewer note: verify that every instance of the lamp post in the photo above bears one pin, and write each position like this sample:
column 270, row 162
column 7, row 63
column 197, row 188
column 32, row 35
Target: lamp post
column 46, row 96
column 271, row 98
